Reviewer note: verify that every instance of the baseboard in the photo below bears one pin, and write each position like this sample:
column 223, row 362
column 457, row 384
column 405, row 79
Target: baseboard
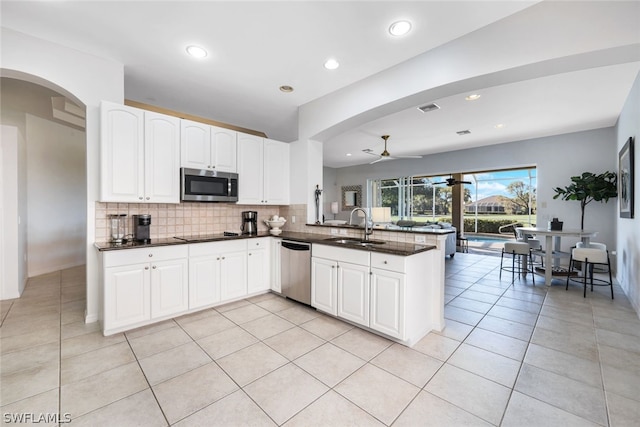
column 40, row 272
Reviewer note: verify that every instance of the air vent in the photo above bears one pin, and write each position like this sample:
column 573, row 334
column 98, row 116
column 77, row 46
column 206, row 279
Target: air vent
column 429, row 107
column 464, row 132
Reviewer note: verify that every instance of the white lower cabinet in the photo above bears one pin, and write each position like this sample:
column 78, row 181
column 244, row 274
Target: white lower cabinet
column 258, row 265
column 217, row 272
column 127, row 295
column 364, row 288
column 340, row 282
column 143, row 284
column 276, row 278
column 324, row 285
column 353, row 293
column 233, row 275
column 387, row 302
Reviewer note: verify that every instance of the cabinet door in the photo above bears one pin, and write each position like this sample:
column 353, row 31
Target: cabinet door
column 387, row 302
column 258, row 270
column 276, row 283
column 324, row 285
column 121, row 153
column 126, row 295
column 162, row 158
column 224, row 149
column 233, row 275
column 276, row 172
column 250, row 169
column 169, row 287
column 195, row 143
column 204, row 281
column 353, row 293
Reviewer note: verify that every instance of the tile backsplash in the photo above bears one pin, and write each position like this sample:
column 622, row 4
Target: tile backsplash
column 169, row 220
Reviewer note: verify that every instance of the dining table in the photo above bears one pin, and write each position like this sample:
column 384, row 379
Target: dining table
column 553, row 251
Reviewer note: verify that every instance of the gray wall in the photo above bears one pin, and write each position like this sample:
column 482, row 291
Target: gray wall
column 556, row 158
column 628, row 229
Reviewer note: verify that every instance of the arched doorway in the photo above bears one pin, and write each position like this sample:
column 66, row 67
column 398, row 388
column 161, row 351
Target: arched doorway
column 45, row 190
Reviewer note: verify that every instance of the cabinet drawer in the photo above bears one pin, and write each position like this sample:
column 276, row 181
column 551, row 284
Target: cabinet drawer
column 388, row 262
column 259, row 243
column 211, row 248
column 354, row 256
column 136, row 256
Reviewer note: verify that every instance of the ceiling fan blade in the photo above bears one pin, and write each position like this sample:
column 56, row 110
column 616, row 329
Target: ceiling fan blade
column 381, row 159
column 371, row 153
column 408, row 157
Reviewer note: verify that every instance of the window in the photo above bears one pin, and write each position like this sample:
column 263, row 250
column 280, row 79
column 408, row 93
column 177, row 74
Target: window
column 502, row 195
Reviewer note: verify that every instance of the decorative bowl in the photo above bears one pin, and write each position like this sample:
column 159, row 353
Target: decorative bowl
column 275, row 225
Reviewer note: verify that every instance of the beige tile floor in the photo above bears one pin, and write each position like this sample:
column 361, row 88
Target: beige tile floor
column 516, row 355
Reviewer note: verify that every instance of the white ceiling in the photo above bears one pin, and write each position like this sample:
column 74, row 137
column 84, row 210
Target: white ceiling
column 255, row 47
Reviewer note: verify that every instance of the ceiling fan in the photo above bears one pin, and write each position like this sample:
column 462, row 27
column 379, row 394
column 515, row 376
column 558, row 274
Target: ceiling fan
column 385, row 155
column 452, row 181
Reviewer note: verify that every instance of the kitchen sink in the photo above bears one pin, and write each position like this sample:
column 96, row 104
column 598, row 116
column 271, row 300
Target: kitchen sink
column 355, row 242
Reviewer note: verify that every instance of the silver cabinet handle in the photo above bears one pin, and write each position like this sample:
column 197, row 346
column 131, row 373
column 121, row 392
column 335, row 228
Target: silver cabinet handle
column 139, row 198
column 385, row 262
column 154, row 267
column 148, row 198
column 222, row 257
column 218, row 259
column 147, row 267
column 249, row 253
column 150, row 255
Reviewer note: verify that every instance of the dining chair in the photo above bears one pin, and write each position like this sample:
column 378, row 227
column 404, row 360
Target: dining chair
column 590, row 256
column 517, row 250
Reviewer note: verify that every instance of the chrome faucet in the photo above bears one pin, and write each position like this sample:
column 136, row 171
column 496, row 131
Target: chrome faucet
column 367, row 230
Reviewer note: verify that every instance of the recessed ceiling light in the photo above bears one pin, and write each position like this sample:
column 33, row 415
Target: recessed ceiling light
column 400, row 28
column 500, row 126
column 286, row 88
column 331, row 64
column 348, row 154
column 473, row 97
column 196, row 51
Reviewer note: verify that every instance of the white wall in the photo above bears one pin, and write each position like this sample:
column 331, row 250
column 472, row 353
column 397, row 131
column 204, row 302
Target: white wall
column 628, row 229
column 331, row 192
column 13, row 224
column 56, row 196
column 306, row 173
column 87, row 80
column 556, row 158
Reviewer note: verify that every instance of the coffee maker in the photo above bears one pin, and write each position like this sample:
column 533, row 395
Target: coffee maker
column 141, row 228
column 249, row 222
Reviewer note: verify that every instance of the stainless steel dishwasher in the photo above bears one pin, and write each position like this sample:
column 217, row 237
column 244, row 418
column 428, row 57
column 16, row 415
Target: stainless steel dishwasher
column 295, row 274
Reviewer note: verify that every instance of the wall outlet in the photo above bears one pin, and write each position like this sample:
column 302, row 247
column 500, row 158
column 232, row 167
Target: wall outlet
column 334, row 231
column 293, row 219
column 343, row 232
column 420, row 239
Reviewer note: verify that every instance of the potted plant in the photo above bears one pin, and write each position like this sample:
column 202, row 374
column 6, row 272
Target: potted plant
column 587, row 188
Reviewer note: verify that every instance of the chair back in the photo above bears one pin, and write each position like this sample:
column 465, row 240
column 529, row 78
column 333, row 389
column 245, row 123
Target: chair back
column 593, row 255
column 594, row 245
column 535, row 244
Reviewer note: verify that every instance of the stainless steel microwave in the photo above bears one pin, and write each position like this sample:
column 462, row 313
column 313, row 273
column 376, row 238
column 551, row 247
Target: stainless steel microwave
column 198, row 185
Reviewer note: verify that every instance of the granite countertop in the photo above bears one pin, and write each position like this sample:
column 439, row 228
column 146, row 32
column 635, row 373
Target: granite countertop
column 395, row 228
column 393, row 248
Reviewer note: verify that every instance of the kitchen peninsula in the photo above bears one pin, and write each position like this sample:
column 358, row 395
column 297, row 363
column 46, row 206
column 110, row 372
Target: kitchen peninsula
column 398, row 290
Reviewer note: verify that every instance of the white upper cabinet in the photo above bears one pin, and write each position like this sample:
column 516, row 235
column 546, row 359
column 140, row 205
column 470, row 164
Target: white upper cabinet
column 263, row 169
column 276, row 172
column 224, row 149
column 162, row 158
column 208, row 147
column 121, row 153
column 139, row 156
column 250, row 169
column 195, row 142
